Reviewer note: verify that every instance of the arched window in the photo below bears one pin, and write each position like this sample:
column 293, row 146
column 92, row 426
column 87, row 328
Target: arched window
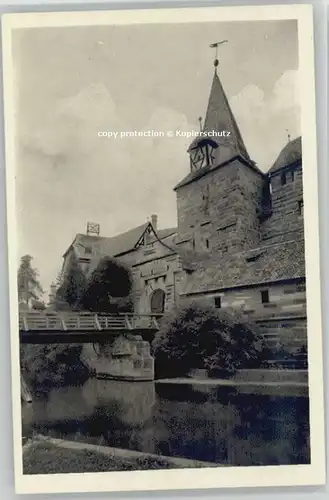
column 158, row 301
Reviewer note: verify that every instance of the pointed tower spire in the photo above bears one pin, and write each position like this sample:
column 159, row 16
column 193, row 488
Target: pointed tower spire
column 219, row 140
column 220, row 119
column 220, row 125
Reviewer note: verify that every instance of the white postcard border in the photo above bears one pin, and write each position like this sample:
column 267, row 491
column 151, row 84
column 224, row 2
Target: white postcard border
column 183, row 478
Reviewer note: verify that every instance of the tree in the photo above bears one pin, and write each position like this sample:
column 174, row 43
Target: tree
column 71, row 291
column 200, row 337
column 109, row 288
column 28, row 285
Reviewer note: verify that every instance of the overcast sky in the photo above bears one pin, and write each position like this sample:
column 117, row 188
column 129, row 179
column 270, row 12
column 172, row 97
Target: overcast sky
column 71, row 83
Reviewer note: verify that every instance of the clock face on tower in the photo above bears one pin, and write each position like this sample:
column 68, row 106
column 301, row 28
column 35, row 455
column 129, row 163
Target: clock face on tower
column 197, row 159
column 201, row 157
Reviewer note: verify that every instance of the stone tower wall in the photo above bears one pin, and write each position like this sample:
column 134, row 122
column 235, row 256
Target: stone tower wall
column 218, row 212
column 286, row 222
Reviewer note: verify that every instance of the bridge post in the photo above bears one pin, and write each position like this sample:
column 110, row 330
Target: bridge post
column 124, row 358
column 26, row 395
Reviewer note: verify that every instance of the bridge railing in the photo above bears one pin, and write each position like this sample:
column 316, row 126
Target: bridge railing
column 86, row 321
column 142, row 321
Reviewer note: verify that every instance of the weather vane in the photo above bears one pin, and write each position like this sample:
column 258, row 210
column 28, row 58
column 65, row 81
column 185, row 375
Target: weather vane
column 215, row 46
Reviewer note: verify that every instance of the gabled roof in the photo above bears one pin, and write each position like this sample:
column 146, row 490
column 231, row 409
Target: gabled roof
column 95, row 247
column 163, row 233
column 291, row 153
column 115, row 245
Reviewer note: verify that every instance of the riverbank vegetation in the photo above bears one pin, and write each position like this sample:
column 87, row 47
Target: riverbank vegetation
column 55, row 365
column 200, row 337
column 107, row 290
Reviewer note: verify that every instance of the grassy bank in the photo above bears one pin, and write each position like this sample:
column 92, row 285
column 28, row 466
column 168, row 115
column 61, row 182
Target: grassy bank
column 42, row 457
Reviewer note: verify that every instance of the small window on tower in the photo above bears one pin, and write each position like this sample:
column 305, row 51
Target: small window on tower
column 265, row 296
column 218, row 302
column 283, row 179
column 207, row 244
column 292, row 175
column 301, row 207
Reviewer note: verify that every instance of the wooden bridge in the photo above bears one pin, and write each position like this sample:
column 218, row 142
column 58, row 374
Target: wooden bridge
column 82, row 327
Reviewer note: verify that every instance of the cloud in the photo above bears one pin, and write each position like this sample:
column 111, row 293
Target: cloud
column 286, row 91
column 93, row 176
column 69, row 175
column 269, row 117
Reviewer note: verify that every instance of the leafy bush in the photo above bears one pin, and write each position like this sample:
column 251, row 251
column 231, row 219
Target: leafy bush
column 46, row 366
column 108, row 288
column 200, row 337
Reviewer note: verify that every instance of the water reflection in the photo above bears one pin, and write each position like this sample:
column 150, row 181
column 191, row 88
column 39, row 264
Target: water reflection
column 204, row 423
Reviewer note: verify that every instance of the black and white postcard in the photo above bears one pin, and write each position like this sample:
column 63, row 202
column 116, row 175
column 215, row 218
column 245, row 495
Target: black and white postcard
column 163, row 249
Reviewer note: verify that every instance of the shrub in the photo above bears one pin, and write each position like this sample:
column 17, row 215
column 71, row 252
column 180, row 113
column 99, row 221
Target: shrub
column 108, row 288
column 56, row 365
column 200, row 337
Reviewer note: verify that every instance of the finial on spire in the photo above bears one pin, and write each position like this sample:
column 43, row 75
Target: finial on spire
column 289, row 136
column 215, row 46
column 200, row 122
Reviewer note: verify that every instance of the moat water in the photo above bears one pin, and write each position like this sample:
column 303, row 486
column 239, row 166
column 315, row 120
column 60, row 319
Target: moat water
column 216, row 424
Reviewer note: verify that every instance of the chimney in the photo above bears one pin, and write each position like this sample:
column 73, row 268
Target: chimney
column 154, row 221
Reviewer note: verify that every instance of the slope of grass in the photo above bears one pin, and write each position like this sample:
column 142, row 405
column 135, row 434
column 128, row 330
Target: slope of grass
column 46, row 458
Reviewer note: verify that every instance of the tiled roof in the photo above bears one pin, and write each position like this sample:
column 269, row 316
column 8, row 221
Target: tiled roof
column 164, row 233
column 282, row 261
column 95, row 248
column 290, row 153
column 115, row 245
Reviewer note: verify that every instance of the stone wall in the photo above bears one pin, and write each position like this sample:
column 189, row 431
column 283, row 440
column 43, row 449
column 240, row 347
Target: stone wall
column 285, row 299
column 153, row 267
column 219, row 211
column 123, row 359
column 286, row 221
column 282, row 319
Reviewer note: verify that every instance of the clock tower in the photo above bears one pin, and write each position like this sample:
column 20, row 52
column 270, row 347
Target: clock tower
column 219, row 202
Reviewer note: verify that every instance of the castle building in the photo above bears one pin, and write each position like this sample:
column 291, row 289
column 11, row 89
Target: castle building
column 239, row 240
